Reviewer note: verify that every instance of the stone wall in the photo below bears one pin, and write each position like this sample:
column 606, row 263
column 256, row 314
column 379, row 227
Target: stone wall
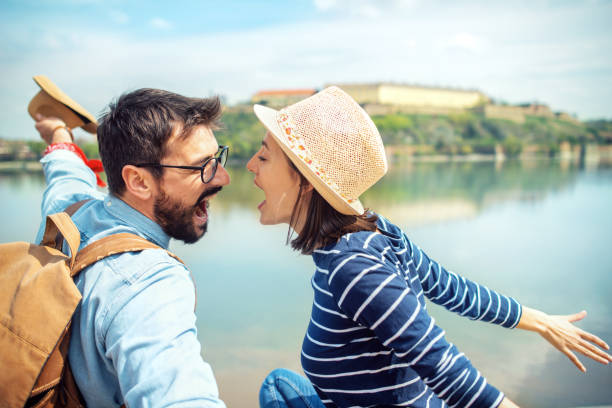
column 280, row 98
column 363, row 94
column 378, row 109
column 414, row 96
column 429, row 97
column 513, row 113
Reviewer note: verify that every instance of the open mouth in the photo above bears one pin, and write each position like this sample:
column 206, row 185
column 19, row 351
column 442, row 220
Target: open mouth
column 201, row 208
column 201, row 211
column 264, row 201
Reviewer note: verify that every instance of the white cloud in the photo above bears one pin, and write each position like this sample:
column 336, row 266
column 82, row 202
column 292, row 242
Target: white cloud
column 51, row 41
column 160, row 23
column 365, row 8
column 467, row 41
column 119, row 17
column 521, row 62
column 324, row 5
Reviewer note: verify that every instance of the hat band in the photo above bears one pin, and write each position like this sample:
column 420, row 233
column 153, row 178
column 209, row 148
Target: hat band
column 297, row 145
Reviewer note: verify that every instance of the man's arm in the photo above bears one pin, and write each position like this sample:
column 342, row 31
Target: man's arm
column 68, row 178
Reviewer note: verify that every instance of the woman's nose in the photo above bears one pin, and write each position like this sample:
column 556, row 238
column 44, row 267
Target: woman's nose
column 250, row 166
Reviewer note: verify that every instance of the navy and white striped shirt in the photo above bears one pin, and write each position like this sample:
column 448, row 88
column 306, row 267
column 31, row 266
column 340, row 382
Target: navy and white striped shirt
column 370, row 340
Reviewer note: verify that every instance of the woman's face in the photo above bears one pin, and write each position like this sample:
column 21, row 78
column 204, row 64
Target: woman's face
column 278, row 180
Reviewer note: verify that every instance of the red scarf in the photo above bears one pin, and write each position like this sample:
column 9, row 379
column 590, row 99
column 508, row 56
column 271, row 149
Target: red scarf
column 94, row 164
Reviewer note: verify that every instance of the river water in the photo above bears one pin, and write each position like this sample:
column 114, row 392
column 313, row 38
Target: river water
column 540, row 231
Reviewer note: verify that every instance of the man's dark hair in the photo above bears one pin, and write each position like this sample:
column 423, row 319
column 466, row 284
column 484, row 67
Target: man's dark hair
column 324, row 225
column 137, row 126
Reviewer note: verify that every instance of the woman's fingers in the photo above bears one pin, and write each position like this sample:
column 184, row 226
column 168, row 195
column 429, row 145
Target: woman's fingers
column 574, row 359
column 590, row 351
column 605, row 356
column 566, row 337
column 594, row 339
column 577, row 316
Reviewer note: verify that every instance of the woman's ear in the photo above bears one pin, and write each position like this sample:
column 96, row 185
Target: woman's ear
column 139, row 182
column 306, row 186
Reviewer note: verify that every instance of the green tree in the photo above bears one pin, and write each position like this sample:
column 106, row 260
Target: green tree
column 512, row 146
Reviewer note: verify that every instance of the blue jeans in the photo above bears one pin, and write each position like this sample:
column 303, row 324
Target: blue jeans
column 283, row 388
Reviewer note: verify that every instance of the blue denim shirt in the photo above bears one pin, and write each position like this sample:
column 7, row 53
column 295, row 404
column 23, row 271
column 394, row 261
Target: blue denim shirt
column 133, row 335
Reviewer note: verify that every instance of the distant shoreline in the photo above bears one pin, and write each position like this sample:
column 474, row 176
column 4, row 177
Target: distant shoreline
column 20, row 167
column 34, row 166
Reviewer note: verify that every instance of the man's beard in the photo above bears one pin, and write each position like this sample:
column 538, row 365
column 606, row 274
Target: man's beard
column 176, row 219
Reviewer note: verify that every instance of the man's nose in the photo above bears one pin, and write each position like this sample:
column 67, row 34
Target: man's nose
column 222, row 177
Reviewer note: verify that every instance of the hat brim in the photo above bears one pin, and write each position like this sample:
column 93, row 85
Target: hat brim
column 51, row 101
column 268, row 117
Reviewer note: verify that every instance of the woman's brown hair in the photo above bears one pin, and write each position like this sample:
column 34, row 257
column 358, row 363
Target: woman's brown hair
column 323, row 224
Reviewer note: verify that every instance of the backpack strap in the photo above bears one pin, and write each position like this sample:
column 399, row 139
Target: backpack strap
column 72, row 208
column 111, row 245
column 98, row 250
column 60, row 227
column 116, row 244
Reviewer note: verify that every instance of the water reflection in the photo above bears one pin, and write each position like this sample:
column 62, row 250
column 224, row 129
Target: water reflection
column 425, row 192
column 419, row 193
column 535, row 230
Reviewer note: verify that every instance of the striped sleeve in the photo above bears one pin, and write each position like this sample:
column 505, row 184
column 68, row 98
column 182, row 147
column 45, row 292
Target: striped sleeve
column 463, row 296
column 373, row 295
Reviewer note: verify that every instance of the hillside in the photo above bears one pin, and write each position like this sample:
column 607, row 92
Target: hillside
column 443, row 134
column 416, row 134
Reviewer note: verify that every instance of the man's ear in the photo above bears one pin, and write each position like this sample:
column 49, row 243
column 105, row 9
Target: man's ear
column 139, row 182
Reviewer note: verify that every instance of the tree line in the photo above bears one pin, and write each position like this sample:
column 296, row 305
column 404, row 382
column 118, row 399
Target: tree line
column 454, row 134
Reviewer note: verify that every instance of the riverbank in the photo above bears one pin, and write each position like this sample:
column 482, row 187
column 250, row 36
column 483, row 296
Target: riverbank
column 19, row 167
column 592, row 155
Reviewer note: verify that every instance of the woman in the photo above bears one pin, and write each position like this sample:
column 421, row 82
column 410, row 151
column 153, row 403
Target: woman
column 370, row 340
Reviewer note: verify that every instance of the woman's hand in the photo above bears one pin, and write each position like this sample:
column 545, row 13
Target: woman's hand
column 564, row 336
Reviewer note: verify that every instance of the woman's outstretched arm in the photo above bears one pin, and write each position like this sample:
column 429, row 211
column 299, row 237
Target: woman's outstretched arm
column 559, row 331
column 460, row 295
column 480, row 303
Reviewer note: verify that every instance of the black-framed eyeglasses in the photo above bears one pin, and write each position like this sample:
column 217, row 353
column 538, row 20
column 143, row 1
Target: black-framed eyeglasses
column 208, row 169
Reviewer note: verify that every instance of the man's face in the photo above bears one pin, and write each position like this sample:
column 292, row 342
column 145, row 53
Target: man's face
column 181, row 205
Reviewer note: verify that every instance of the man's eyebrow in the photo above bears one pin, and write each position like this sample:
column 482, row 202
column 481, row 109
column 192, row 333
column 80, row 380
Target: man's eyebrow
column 201, row 161
column 264, row 144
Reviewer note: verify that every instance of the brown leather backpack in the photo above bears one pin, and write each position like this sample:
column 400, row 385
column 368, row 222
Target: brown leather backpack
column 37, row 300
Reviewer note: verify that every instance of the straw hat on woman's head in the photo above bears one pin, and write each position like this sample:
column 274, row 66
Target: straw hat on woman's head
column 333, row 143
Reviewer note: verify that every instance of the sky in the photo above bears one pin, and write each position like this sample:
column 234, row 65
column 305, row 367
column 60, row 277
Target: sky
column 553, row 52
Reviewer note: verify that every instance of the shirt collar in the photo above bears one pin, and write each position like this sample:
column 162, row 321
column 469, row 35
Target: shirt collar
column 143, row 224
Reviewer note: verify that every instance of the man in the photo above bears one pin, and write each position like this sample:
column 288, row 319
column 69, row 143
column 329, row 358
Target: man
column 134, row 335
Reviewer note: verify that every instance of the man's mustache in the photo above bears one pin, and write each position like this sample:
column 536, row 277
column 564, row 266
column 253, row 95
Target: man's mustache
column 209, row 192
